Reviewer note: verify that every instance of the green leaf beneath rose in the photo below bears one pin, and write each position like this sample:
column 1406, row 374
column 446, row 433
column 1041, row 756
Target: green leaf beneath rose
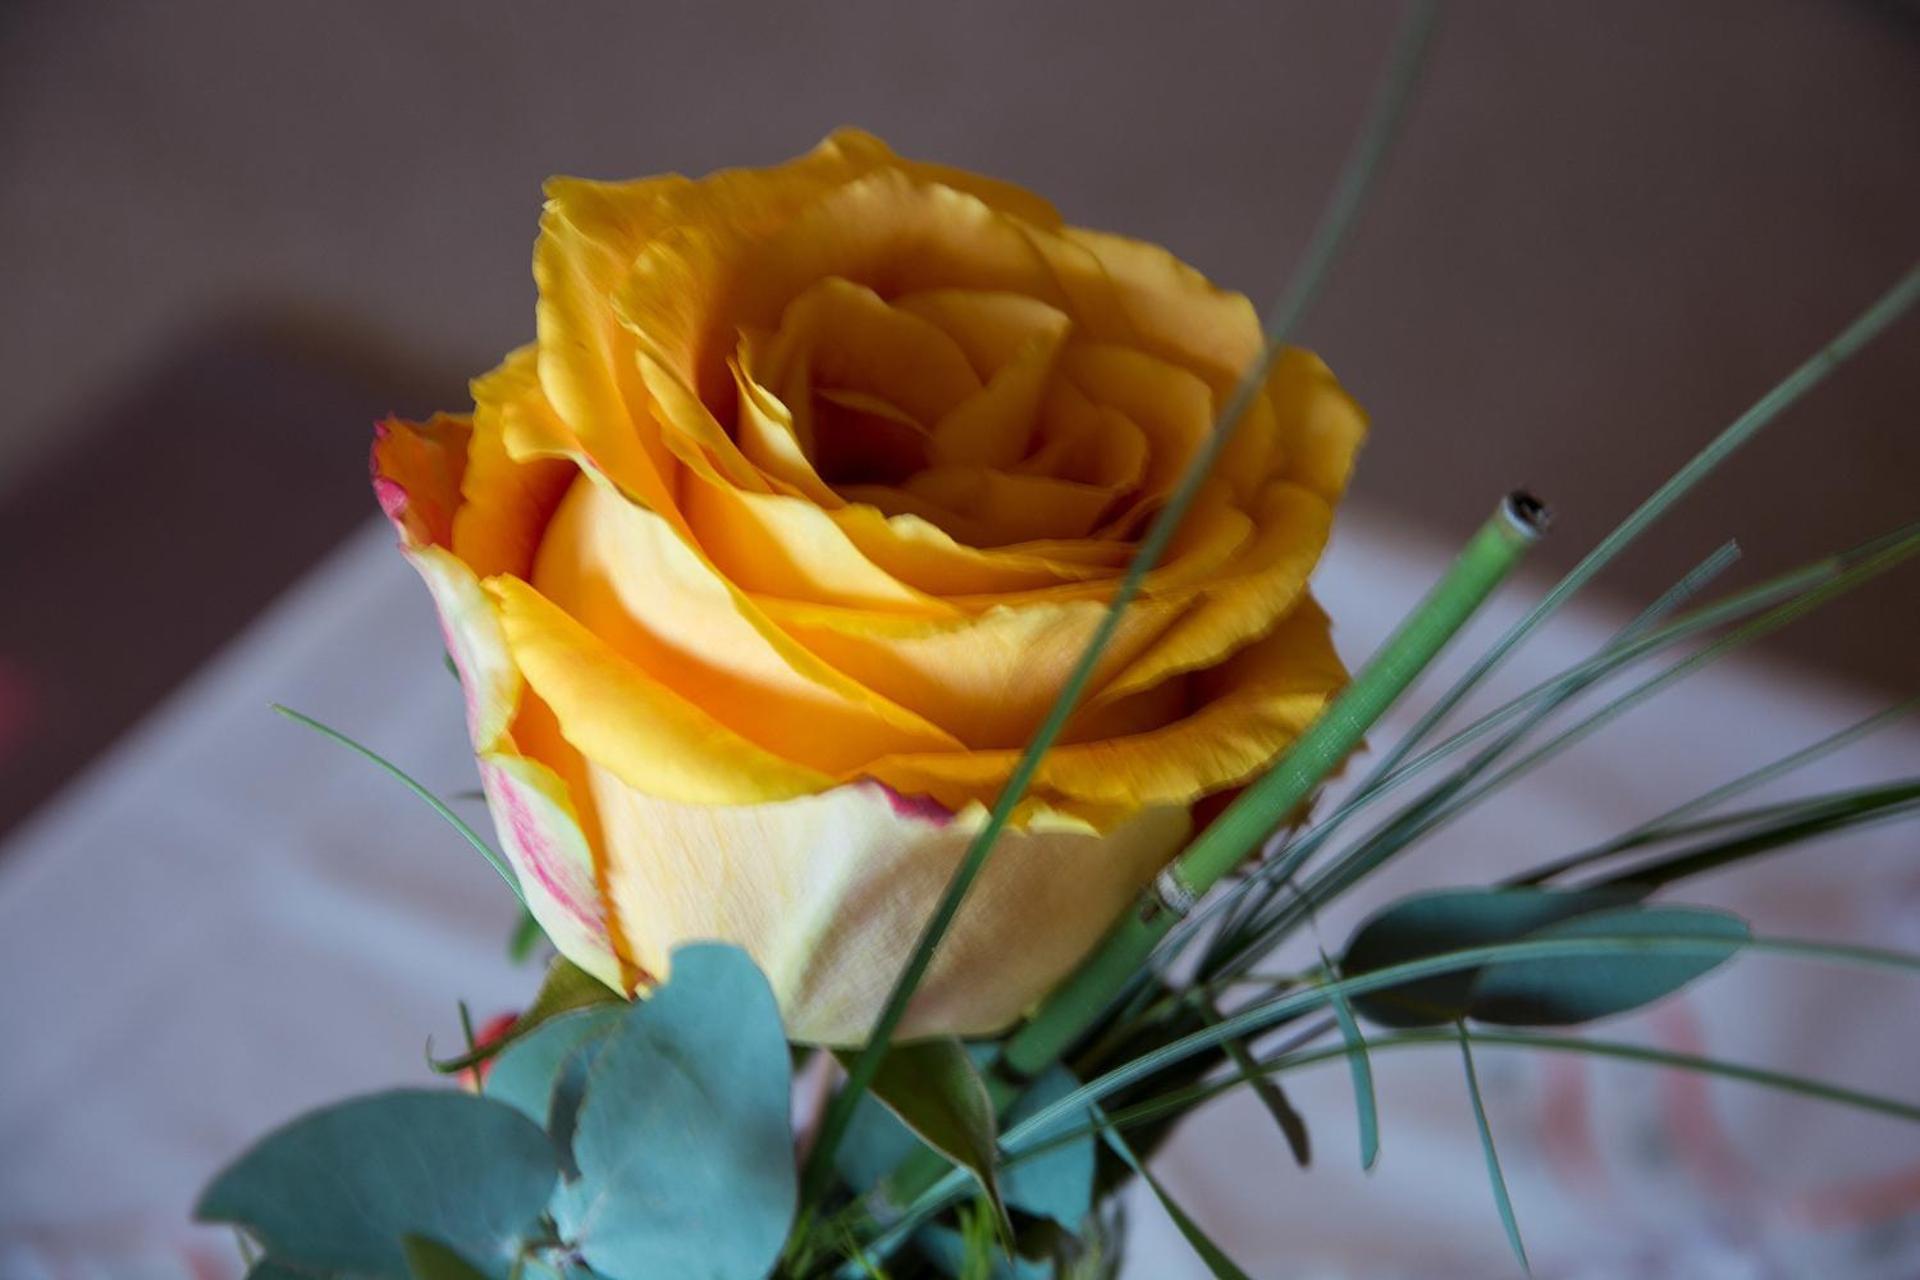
column 1532, row 991
column 1564, row 991
column 340, row 1188
column 565, row 988
column 431, row 1260
column 1058, row 1184
column 936, row 1091
column 684, row 1143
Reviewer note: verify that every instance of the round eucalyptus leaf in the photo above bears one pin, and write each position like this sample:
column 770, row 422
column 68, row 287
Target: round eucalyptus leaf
column 524, row 1074
column 1059, row 1184
column 1431, row 924
column 683, row 1142
column 339, row 1189
column 1562, row 991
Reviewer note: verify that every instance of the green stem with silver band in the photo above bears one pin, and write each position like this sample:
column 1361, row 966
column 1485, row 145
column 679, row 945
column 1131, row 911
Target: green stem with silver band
column 1075, row 1006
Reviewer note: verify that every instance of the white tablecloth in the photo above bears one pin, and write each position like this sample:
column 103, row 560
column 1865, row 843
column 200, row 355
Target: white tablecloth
column 229, row 919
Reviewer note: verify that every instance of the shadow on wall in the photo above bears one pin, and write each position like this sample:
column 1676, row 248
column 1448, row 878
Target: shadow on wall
column 178, row 507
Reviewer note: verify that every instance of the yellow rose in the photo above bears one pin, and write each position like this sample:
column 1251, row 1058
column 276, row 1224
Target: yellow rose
column 763, row 562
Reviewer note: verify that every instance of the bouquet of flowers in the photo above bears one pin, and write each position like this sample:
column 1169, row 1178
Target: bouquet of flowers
column 883, row 617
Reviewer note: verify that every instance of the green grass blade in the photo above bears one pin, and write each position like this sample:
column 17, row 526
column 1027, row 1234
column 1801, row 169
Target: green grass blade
column 1495, row 1178
column 1022, row 1146
column 1270, row 1013
column 1669, row 824
column 1889, row 307
column 434, row 802
column 1733, row 608
column 1250, row 905
column 1329, row 235
column 1766, row 624
column 1218, row 1263
column 1292, row 1126
column 1366, row 1106
column 1454, row 797
column 1880, row 805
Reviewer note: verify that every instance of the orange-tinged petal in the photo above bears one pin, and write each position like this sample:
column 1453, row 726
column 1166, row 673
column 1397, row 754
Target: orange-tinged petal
column 1173, row 407
column 856, row 342
column 988, row 680
column 1173, row 310
column 1080, row 440
column 1245, row 599
column 770, row 438
column 828, row 892
column 991, row 328
column 1009, row 507
column 417, row 469
column 1321, row 428
column 505, row 502
column 994, row 427
column 783, row 547
column 624, row 721
column 1248, row 711
column 896, row 236
column 922, row 554
column 622, row 573
column 417, row 472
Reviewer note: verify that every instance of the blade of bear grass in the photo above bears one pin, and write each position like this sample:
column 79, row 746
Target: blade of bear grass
column 434, row 802
column 1748, row 820
column 1289, row 1121
column 1218, row 1263
column 1329, row 235
column 1021, row 1147
column 1796, row 585
column 1898, row 801
column 1245, row 941
column 1448, row 801
column 1764, row 625
column 1733, row 608
column 1366, row 1106
column 1667, row 825
column 1157, row 1107
column 1270, row 1013
column 1495, row 1178
column 1888, row 308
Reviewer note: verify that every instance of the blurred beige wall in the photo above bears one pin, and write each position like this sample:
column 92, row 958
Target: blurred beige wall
column 1608, row 227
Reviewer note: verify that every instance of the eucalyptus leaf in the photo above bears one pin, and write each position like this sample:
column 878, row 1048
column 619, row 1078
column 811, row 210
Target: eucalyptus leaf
column 525, row 1073
column 875, row 1145
column 684, row 1143
column 569, row 1095
column 1058, row 1184
column 934, row 1088
column 430, row 1260
column 339, row 1188
column 1548, row 992
column 1431, row 924
column 565, row 988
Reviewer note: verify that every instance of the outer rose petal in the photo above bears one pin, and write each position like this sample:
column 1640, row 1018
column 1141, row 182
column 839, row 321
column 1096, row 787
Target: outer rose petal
column 828, row 893
column 418, row 470
column 1250, row 708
